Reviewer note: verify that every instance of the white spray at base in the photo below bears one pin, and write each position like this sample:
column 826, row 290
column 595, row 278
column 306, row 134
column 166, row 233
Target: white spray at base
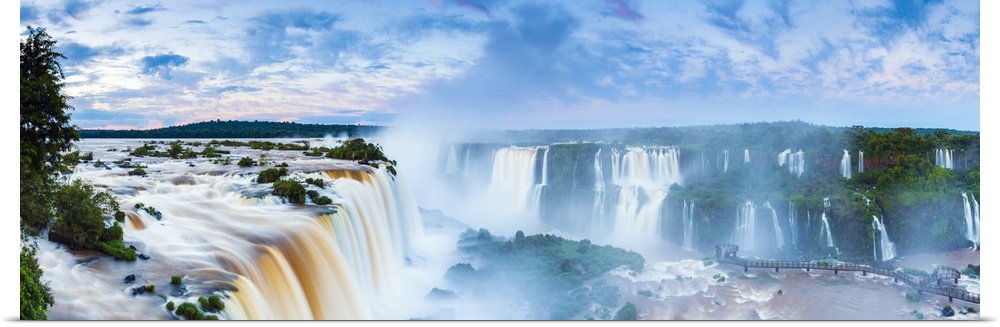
column 644, row 177
column 883, row 248
column 971, row 215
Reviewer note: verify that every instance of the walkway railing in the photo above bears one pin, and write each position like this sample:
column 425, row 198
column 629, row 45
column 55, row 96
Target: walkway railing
column 932, row 284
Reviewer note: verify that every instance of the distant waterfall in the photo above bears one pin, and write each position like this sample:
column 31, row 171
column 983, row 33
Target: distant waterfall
column 725, row 161
column 688, row 218
column 536, row 199
column 861, row 162
column 779, row 237
column 746, row 155
column 845, row 165
column 971, row 219
column 644, row 177
column 599, row 190
column 882, row 248
column 825, row 230
column 792, row 217
column 943, row 158
column 451, row 166
column 515, row 177
column 796, row 161
column 746, row 225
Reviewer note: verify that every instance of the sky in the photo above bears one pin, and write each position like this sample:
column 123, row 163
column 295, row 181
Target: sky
column 517, row 64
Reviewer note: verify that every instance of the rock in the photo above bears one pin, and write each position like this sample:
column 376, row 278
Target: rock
column 143, row 256
column 948, row 311
column 438, row 294
column 130, row 279
column 974, row 268
column 138, row 290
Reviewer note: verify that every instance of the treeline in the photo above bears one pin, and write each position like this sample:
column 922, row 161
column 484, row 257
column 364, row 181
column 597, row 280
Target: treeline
column 237, row 129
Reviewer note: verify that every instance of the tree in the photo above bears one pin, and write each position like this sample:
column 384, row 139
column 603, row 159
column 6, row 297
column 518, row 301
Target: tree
column 45, row 128
column 36, row 296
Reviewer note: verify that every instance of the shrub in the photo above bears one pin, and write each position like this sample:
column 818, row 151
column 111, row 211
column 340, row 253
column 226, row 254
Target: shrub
column 916, row 314
column 189, row 311
column 117, row 250
column 211, row 304
column 271, row 175
column 113, row 233
column 295, row 192
column 970, row 310
column 245, row 162
column 627, row 312
column 948, row 311
column 913, row 297
column 138, row 171
column 316, row 181
column 150, row 288
column 312, row 194
column 323, row 200
column 170, row 306
column 120, row 216
column 176, row 279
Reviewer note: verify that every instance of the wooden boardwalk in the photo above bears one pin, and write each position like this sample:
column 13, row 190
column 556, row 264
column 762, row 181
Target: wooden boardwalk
column 932, row 284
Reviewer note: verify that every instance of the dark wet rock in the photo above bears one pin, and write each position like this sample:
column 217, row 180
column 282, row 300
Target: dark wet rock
column 130, row 279
column 948, row 311
column 138, row 290
column 143, row 256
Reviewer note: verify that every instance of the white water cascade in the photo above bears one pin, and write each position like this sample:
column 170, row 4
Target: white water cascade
column 796, row 161
column 792, row 217
column 688, row 219
column 267, row 259
column 971, row 215
column 746, row 155
column 845, row 165
column 943, row 158
column 779, row 237
column 644, row 176
column 451, row 166
column 882, row 248
column 599, row 191
column 746, row 227
column 861, row 162
column 514, row 177
column 725, row 163
column 825, row 231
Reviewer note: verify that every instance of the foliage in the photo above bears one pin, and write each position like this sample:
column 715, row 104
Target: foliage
column 117, row 250
column 323, row 200
column 295, row 192
column 189, row 311
column 176, row 279
column 316, row 181
column 245, row 162
column 271, row 175
column 211, row 304
column 970, row 310
column 81, row 212
column 138, row 171
column 916, row 272
column 917, row 315
column 149, row 209
column 36, row 296
column 358, row 150
column 170, row 306
column 913, row 297
column 236, row 129
column 627, row 312
column 947, row 311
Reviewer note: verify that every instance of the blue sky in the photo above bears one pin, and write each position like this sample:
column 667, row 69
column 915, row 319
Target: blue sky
column 518, row 64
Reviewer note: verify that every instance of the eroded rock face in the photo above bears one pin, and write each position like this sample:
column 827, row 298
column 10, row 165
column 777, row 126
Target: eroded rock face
column 129, row 279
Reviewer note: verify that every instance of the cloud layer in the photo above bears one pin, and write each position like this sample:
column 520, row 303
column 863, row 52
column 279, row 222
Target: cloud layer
column 519, row 64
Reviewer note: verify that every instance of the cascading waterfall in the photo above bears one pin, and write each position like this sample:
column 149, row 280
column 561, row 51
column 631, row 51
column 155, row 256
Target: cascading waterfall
column 688, row 219
column 943, row 158
column 792, row 217
column 746, row 224
column 779, row 237
column 514, row 177
column 861, row 162
column 971, row 215
column 825, row 231
column 451, row 166
column 536, row 198
column 746, row 155
column 725, row 164
column 599, row 191
column 845, row 165
column 796, row 161
column 644, row 177
column 882, row 248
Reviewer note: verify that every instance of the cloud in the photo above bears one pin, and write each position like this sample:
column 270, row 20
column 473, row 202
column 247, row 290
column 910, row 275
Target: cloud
column 623, row 9
column 756, row 27
column 274, row 36
column 162, row 65
column 144, row 9
column 238, row 89
column 888, row 23
column 422, row 24
column 29, row 13
column 485, row 7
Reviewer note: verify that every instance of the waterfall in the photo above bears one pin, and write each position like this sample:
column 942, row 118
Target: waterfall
column 971, row 214
column 943, row 158
column 266, row 259
column 746, row 155
column 688, row 219
column 792, row 217
column 779, row 237
column 514, row 177
column 536, row 199
column 746, row 223
column 796, row 161
column 882, row 248
column 725, row 160
column 451, row 166
column 644, row 177
column 825, row 230
column 845, row 165
column 599, row 192
column 861, row 162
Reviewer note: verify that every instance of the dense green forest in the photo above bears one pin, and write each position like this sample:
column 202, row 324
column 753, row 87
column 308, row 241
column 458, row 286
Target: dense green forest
column 237, row 129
